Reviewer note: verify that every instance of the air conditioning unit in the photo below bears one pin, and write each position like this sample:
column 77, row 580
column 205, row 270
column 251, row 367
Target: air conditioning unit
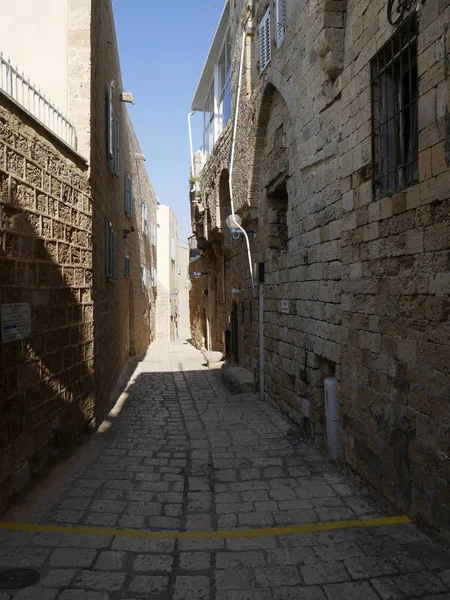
column 332, row 417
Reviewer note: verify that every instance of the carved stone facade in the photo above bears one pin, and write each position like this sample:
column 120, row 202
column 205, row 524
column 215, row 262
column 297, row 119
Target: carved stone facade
column 363, row 276
column 58, row 382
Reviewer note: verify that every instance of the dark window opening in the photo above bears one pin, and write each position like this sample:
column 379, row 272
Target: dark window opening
column 394, row 80
column 278, row 202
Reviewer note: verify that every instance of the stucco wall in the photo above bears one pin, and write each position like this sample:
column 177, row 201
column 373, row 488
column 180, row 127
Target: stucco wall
column 34, row 36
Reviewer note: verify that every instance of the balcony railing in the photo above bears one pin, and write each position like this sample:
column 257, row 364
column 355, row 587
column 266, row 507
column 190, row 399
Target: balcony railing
column 32, row 100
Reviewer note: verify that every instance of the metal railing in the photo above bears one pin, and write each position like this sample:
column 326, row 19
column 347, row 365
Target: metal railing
column 31, row 99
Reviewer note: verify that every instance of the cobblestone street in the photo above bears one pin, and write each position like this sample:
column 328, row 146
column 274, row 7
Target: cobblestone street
column 183, row 455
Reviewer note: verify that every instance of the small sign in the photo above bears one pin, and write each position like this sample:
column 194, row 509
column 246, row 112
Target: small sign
column 285, row 308
column 15, row 322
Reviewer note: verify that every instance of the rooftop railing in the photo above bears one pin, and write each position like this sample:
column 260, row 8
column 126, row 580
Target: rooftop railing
column 19, row 88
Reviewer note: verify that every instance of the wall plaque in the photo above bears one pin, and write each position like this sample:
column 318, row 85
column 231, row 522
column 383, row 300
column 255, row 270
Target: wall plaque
column 285, row 307
column 15, row 322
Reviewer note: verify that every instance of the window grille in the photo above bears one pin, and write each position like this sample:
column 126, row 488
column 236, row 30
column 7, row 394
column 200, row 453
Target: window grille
column 281, row 21
column 110, row 251
column 394, row 80
column 129, row 201
column 265, row 49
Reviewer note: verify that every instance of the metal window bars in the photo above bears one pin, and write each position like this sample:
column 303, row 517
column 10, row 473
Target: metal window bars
column 34, row 102
column 394, row 82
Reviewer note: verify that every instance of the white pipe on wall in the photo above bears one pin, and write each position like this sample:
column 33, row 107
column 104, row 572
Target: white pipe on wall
column 233, row 145
column 190, row 144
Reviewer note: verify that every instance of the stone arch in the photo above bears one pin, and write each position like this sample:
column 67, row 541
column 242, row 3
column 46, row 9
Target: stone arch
column 271, row 167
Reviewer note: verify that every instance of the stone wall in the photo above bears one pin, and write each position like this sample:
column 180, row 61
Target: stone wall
column 123, row 313
column 46, row 380
column 365, row 277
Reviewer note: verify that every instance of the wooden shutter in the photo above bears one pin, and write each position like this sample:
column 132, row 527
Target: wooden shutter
column 113, row 255
column 109, row 122
column 281, row 20
column 115, row 136
column 265, row 50
column 128, row 198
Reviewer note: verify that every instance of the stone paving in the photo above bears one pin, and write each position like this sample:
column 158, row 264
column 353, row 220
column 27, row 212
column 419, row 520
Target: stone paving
column 182, row 454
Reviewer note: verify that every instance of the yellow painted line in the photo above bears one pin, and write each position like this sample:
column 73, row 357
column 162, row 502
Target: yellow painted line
column 205, row 535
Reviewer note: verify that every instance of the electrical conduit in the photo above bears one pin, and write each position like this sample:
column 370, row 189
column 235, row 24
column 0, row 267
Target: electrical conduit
column 233, row 145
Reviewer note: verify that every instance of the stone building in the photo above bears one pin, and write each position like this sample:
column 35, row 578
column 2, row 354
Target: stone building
column 167, row 275
column 341, row 181
column 183, row 275
column 76, row 251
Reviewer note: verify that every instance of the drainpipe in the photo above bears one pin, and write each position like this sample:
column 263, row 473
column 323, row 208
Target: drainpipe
column 233, row 145
column 261, row 336
column 190, row 145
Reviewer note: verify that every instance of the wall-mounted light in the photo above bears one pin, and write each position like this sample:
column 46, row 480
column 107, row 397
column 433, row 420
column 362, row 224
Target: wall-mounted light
column 127, row 97
column 127, row 231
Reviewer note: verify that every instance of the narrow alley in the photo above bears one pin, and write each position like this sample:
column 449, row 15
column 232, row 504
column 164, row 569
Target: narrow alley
column 190, row 493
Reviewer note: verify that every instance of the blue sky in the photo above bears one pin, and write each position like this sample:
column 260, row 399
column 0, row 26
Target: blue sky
column 163, row 46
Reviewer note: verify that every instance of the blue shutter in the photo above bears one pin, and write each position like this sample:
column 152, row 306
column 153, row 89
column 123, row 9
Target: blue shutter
column 113, row 257
column 109, row 124
column 131, row 200
column 128, row 195
column 107, row 251
column 116, row 145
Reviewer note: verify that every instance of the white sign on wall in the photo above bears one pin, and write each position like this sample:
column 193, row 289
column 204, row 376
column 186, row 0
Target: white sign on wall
column 285, row 307
column 15, row 322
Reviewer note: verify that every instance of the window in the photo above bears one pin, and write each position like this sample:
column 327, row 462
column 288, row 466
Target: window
column 143, row 278
column 153, row 235
column 110, row 251
column 127, row 266
column 154, row 277
column 208, row 116
column 144, row 216
column 112, row 128
column 281, row 20
column 265, row 50
column 217, row 109
column 395, row 148
column 224, row 84
column 129, row 200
